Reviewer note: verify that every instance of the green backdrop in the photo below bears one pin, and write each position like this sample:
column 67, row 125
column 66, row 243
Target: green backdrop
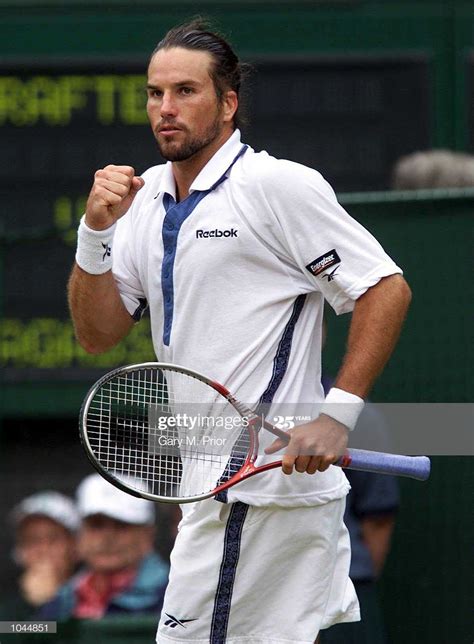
column 427, row 586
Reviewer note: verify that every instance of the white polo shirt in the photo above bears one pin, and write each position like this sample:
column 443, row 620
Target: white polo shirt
column 236, row 279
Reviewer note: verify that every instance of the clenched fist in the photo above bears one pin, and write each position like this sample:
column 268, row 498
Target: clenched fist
column 112, row 194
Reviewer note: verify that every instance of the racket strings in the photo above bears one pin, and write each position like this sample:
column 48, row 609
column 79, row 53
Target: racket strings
column 171, row 433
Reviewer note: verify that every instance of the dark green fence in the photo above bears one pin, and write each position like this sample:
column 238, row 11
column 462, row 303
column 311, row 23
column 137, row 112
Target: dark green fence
column 429, row 234
column 426, row 589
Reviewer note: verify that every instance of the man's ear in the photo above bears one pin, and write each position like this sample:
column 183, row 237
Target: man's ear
column 230, row 103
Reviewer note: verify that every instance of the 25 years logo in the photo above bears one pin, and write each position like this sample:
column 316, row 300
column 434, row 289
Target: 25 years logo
column 288, row 422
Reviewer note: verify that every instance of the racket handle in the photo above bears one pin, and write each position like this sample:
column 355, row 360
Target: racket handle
column 416, row 467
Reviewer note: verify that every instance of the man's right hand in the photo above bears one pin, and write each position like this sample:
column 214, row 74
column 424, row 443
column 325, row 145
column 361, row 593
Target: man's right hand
column 112, row 194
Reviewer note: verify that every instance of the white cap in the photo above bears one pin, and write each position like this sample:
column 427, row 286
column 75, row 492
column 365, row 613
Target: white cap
column 55, row 506
column 95, row 495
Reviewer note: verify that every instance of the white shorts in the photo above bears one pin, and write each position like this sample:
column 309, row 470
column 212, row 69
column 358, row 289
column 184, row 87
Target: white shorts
column 261, row 575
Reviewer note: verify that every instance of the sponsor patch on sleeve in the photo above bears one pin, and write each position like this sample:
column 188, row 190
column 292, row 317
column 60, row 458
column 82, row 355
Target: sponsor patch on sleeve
column 320, row 264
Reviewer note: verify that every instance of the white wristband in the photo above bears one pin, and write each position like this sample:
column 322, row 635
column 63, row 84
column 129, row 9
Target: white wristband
column 343, row 407
column 94, row 248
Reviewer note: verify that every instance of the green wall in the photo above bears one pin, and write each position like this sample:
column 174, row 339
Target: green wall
column 427, row 589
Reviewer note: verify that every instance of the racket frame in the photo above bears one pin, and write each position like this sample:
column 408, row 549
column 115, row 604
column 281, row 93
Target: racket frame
column 248, row 468
column 254, row 423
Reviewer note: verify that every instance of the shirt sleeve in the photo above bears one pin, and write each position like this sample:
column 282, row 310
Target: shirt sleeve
column 336, row 255
column 124, row 270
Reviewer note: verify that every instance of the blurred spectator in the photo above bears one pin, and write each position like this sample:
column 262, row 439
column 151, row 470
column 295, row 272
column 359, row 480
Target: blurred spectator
column 122, row 574
column 433, row 169
column 45, row 548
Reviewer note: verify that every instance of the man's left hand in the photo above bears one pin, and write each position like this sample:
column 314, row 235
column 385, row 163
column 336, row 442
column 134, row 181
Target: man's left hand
column 313, row 446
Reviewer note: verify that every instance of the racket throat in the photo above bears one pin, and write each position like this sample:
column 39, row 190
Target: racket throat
column 247, row 470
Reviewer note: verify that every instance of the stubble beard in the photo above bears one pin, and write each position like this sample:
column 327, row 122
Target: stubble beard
column 191, row 146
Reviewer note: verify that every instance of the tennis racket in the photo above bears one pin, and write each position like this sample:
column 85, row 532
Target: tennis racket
column 165, row 433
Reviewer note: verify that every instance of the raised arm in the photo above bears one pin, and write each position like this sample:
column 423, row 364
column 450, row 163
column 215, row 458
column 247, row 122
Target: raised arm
column 100, row 318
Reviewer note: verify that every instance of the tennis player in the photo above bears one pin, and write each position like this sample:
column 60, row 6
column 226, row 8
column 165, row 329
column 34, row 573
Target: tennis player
column 235, row 252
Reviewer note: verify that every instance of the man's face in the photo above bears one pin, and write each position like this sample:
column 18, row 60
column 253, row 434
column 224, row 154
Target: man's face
column 184, row 112
column 40, row 539
column 107, row 545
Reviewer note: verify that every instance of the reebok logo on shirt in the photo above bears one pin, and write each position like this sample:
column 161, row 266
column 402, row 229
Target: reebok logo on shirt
column 216, row 233
column 320, row 264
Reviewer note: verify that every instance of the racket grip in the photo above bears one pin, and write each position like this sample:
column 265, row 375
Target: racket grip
column 416, row 467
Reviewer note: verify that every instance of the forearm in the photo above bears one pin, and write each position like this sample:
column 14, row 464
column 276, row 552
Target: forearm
column 99, row 315
column 376, row 323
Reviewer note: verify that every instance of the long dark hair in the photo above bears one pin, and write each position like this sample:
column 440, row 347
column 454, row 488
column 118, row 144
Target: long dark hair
column 227, row 72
